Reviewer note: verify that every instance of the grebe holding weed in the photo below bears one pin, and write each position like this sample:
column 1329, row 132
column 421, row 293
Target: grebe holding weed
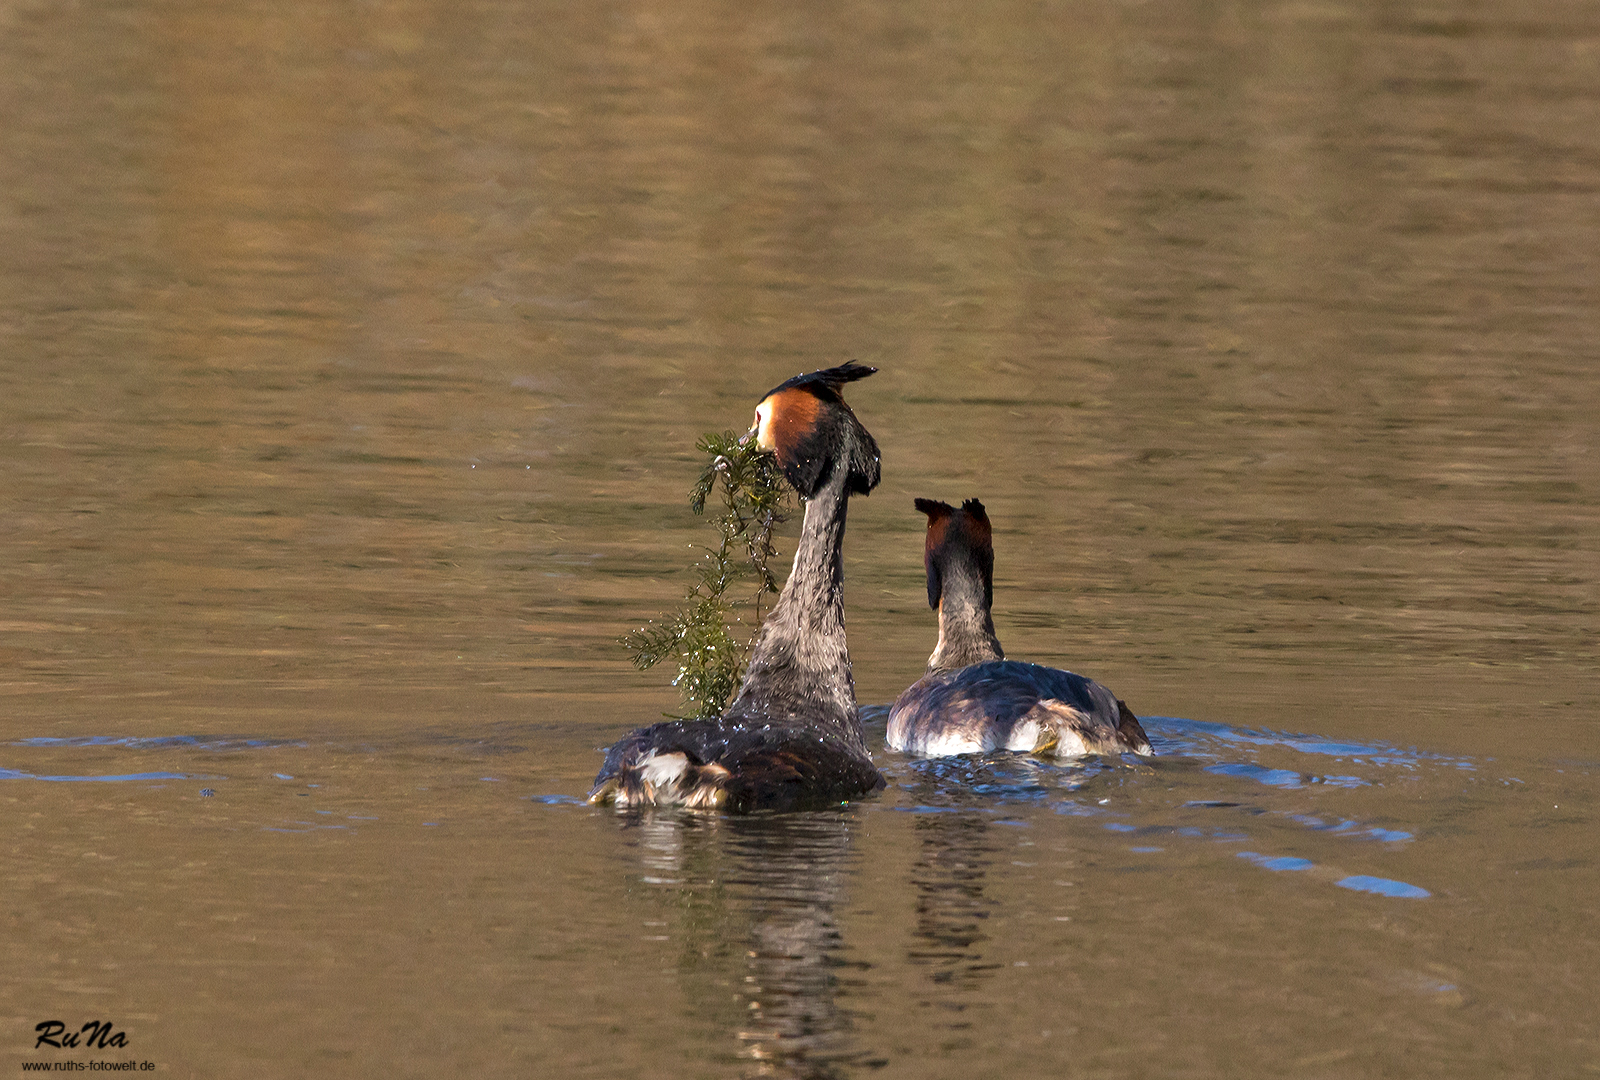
column 792, row 737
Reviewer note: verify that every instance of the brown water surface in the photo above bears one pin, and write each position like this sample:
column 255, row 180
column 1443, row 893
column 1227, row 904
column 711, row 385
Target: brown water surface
column 352, row 357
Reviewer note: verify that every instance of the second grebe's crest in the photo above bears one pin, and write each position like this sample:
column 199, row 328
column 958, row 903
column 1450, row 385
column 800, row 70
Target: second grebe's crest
column 806, row 422
column 955, row 537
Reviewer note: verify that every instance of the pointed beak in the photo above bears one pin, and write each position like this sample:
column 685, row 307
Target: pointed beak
column 745, row 439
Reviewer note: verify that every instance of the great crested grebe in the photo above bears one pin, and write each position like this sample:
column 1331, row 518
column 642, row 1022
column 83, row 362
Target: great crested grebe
column 792, row 737
column 972, row 699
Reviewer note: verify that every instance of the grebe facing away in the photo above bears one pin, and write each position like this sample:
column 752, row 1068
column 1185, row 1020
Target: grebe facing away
column 972, row 699
column 792, row 737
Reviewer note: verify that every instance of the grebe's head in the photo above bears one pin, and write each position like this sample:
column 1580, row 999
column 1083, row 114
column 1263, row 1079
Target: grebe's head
column 959, row 546
column 806, row 423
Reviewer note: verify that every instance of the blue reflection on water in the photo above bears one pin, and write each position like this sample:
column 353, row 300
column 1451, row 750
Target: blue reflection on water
column 1281, row 862
column 1273, row 777
column 986, row 782
column 1393, row 836
column 558, row 800
column 1181, row 734
column 219, row 742
column 14, row 774
column 1382, row 886
column 1389, row 835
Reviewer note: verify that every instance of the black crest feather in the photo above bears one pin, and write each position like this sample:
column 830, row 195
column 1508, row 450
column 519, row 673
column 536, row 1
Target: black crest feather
column 827, row 382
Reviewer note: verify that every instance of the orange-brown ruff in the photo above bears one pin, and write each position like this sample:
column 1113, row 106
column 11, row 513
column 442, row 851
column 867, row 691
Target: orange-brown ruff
column 792, row 737
column 972, row 699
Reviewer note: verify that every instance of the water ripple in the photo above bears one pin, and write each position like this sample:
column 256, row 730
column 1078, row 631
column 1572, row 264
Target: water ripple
column 16, row 774
column 1252, row 772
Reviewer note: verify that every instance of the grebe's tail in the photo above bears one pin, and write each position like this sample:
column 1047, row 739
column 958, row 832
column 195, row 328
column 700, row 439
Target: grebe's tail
column 1131, row 730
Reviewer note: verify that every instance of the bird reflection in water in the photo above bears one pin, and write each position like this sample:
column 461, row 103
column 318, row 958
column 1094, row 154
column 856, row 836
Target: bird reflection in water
column 957, row 849
column 762, row 955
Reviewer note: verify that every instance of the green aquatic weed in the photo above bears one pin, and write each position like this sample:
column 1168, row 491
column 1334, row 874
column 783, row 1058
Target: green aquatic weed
column 711, row 654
